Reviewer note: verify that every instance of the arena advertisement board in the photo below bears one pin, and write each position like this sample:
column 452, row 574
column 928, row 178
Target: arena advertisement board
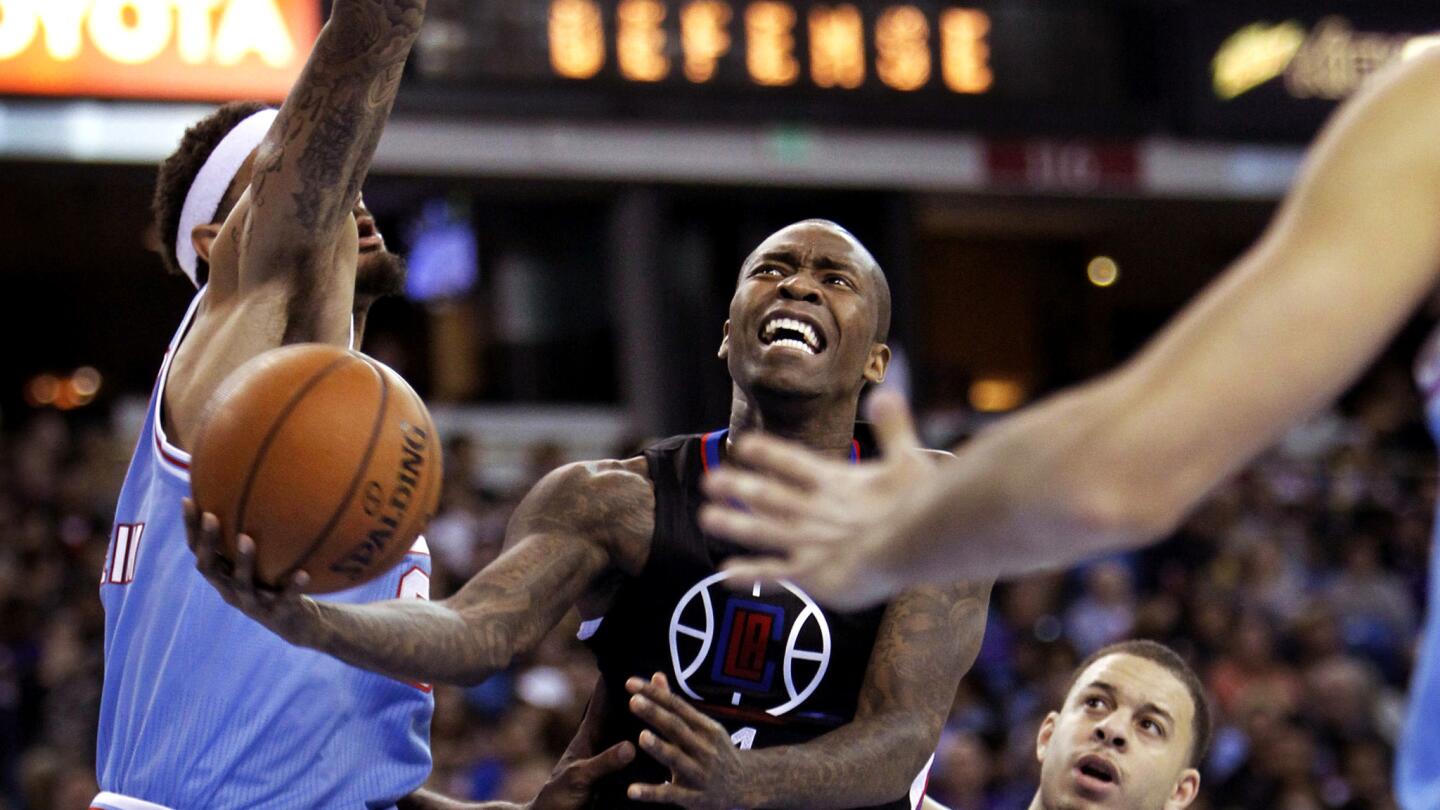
column 209, row 50
column 1276, row 71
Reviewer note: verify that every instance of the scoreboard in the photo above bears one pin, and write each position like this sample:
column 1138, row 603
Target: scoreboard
column 1246, row 69
column 868, row 62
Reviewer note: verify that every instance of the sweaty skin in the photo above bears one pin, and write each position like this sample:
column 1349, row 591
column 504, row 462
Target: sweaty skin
column 1119, row 462
column 586, row 526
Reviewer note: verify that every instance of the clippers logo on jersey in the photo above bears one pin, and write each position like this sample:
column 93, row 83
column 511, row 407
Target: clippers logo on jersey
column 728, row 648
column 748, row 629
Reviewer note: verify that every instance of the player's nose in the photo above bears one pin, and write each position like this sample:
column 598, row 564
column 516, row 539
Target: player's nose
column 800, row 286
column 1110, row 732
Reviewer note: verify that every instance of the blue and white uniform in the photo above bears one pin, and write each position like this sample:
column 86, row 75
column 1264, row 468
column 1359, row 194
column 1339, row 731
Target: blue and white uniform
column 204, row 708
column 1417, row 764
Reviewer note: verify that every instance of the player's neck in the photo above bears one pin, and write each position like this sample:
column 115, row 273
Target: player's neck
column 358, row 318
column 1036, row 803
column 825, row 426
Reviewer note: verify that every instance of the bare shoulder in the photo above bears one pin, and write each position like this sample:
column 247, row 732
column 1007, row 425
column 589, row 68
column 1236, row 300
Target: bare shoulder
column 226, row 333
column 610, row 502
column 601, row 486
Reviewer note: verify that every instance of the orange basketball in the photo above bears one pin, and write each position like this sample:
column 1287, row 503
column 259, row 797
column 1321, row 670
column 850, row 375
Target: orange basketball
column 326, row 457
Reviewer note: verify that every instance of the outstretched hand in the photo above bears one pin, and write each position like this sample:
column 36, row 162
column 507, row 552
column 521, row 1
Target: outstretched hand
column 823, row 524
column 706, row 771
column 570, row 785
column 284, row 611
column 568, row 789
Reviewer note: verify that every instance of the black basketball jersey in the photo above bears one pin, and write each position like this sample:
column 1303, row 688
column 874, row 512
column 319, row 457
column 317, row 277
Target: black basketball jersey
column 767, row 662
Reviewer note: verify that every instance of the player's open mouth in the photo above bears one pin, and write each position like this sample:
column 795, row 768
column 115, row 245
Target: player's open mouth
column 786, row 332
column 370, row 237
column 1094, row 772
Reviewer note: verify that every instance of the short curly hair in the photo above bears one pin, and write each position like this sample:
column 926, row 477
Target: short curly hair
column 177, row 173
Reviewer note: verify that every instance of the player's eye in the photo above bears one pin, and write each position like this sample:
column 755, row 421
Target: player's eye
column 1152, row 727
column 1095, row 702
column 840, row 281
column 766, row 270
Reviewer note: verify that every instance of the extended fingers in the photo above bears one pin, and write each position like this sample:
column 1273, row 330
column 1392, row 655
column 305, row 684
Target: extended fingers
column 296, row 586
column 892, row 423
column 665, row 794
column 202, row 532
column 777, row 458
column 755, row 492
column 583, row 773
column 759, row 531
column 668, row 722
column 685, row 768
column 192, row 525
column 658, row 690
column 245, row 560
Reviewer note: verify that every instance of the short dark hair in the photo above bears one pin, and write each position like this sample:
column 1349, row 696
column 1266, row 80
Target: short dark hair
column 177, row 174
column 1170, row 660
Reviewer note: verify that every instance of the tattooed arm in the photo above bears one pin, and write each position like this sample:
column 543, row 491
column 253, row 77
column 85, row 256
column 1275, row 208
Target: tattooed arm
column 310, row 167
column 579, row 522
column 927, row 641
column 282, row 267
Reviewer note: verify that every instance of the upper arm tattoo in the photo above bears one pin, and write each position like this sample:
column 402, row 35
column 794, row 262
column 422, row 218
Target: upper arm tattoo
column 928, row 640
column 317, row 155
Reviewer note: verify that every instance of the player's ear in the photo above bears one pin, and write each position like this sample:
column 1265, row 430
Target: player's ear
column 203, row 237
column 1042, row 739
column 724, row 340
column 877, row 363
column 1187, row 787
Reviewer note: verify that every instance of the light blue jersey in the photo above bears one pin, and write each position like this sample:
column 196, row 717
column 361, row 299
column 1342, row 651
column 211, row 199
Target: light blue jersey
column 203, row 708
column 1417, row 763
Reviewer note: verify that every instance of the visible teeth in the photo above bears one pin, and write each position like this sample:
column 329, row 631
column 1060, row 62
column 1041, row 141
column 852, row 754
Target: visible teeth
column 792, row 343
column 812, row 341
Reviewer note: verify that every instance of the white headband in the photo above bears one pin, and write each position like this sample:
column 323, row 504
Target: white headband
column 203, row 199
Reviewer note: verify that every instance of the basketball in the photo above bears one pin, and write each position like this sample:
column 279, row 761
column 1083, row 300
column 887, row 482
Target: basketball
column 326, row 457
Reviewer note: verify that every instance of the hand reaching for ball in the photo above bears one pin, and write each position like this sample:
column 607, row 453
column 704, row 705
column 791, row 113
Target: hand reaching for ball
column 284, row 612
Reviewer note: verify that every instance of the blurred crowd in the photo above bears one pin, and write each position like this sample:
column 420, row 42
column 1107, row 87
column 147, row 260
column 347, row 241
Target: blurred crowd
column 1295, row 592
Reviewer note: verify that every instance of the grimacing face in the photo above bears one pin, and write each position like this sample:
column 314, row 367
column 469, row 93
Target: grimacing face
column 1122, row 740
column 805, row 314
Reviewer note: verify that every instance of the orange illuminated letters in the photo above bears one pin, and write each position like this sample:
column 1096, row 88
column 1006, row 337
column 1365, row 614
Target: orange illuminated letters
column 184, row 49
column 965, row 51
column 640, row 42
column 837, row 46
column 770, row 43
column 908, row 42
column 577, row 38
column 902, row 48
column 704, row 37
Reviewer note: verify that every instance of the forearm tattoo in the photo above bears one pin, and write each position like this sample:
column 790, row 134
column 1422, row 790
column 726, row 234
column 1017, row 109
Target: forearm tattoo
column 332, row 122
column 563, row 537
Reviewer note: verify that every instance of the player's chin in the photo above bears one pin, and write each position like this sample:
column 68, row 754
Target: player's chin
column 1084, row 799
column 789, row 384
column 379, row 273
